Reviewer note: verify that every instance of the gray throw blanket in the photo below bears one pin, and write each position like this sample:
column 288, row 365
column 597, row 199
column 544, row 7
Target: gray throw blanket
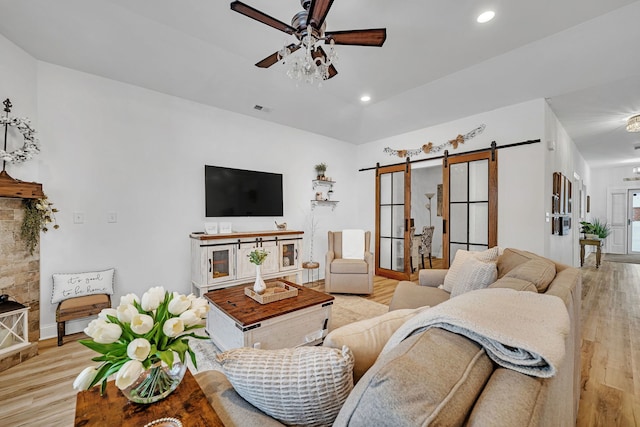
column 523, row 331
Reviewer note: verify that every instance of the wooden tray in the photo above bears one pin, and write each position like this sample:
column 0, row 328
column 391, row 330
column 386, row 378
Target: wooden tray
column 276, row 291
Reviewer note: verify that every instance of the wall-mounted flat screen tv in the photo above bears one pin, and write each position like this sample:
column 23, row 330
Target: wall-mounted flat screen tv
column 239, row 192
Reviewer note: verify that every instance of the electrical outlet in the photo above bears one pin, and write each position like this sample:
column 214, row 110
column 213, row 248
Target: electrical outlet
column 78, row 217
column 112, row 217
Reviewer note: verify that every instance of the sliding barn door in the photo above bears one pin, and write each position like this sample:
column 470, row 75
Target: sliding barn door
column 470, row 203
column 393, row 208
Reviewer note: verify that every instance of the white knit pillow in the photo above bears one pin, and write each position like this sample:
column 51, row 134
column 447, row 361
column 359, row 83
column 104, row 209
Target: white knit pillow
column 303, row 386
column 474, row 274
column 461, row 257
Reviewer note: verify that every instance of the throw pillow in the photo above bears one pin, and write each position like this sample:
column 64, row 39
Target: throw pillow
column 366, row 338
column 432, row 378
column 74, row 285
column 538, row 271
column 474, row 274
column 303, row 386
column 461, row 257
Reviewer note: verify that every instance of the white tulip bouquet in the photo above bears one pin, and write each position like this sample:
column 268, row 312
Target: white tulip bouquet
column 142, row 334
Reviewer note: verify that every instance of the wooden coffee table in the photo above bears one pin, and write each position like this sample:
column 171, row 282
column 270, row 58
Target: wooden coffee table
column 235, row 320
column 187, row 403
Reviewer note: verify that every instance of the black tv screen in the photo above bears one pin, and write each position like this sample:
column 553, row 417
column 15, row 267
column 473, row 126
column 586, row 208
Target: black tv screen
column 239, row 192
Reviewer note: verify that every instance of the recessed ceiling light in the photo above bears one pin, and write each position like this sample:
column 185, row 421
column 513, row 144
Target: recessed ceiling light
column 365, row 98
column 486, row 16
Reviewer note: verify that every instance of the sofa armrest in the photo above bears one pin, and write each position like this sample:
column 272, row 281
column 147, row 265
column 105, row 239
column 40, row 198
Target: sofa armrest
column 432, row 277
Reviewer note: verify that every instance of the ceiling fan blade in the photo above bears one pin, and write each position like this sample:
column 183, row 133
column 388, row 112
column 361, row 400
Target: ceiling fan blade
column 332, row 71
column 247, row 10
column 274, row 57
column 318, row 12
column 371, row 37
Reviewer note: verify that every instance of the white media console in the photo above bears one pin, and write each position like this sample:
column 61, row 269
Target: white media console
column 221, row 260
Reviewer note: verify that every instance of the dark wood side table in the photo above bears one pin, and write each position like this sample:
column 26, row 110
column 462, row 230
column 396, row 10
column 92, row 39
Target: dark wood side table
column 591, row 242
column 187, row 403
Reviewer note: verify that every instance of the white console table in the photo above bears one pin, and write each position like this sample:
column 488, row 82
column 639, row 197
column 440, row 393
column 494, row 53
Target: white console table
column 221, row 260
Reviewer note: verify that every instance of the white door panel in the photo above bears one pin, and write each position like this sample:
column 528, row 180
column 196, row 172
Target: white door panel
column 617, row 241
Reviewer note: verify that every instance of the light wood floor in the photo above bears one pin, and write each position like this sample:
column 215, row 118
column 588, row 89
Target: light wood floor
column 38, row 392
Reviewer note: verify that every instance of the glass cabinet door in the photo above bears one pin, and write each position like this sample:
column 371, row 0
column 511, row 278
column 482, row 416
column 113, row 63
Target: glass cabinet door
column 220, row 263
column 288, row 255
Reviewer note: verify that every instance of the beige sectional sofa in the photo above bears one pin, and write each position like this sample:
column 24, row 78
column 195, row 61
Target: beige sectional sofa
column 436, row 377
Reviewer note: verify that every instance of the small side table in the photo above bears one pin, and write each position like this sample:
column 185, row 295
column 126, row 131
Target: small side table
column 187, row 403
column 591, row 242
column 311, row 266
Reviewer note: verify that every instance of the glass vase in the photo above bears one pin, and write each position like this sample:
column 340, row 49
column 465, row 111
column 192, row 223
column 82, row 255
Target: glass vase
column 155, row 383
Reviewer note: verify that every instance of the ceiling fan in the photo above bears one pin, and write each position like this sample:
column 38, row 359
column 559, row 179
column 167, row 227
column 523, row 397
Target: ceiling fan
column 308, row 26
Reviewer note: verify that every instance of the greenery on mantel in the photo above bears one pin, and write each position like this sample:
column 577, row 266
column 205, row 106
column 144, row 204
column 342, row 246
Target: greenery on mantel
column 38, row 214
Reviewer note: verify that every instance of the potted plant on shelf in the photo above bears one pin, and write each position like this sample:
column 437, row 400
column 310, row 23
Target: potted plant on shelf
column 320, row 169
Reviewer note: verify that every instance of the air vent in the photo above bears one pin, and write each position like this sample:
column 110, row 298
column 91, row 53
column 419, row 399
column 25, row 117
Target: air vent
column 636, row 147
column 262, row 108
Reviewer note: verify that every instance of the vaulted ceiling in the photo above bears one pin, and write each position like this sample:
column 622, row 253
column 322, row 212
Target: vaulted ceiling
column 438, row 64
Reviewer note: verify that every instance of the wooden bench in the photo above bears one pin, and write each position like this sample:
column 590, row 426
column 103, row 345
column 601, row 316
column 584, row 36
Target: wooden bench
column 77, row 308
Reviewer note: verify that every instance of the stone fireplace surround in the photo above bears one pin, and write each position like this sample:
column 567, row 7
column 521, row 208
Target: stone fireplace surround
column 19, row 276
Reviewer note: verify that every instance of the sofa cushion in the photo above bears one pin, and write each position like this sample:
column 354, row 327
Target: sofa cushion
column 431, row 378
column 515, row 284
column 504, row 384
column 302, row 386
column 538, row 271
column 461, row 257
column 474, row 274
column 410, row 295
column 366, row 338
column 349, row 266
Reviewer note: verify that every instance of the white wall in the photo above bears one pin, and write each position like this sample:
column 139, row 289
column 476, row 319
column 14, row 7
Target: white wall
column 113, row 147
column 562, row 156
column 521, row 220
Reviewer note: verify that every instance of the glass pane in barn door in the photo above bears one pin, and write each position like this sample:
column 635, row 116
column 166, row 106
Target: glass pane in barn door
column 469, row 203
column 393, row 196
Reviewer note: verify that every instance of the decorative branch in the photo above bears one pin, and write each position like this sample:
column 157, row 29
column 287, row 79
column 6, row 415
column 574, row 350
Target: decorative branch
column 430, row 148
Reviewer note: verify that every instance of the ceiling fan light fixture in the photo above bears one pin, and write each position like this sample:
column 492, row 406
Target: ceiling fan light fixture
column 485, row 17
column 633, row 124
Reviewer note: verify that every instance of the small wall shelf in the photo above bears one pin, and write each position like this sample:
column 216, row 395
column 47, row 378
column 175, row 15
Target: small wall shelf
column 321, row 183
column 323, row 202
column 331, row 203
